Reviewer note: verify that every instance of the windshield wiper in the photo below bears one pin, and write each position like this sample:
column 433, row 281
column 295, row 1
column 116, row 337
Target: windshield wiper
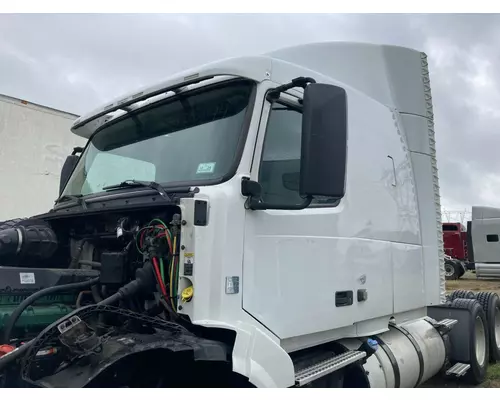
column 77, row 197
column 133, row 183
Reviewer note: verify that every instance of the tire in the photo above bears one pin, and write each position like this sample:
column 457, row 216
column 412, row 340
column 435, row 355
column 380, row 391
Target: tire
column 491, row 306
column 461, row 268
column 11, row 223
column 479, row 340
column 451, row 271
column 462, row 294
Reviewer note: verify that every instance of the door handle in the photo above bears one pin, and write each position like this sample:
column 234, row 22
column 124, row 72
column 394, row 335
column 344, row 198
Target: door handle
column 344, row 298
column 394, row 183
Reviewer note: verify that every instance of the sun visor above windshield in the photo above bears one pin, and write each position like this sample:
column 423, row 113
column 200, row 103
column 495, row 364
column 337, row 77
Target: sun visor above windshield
column 254, row 68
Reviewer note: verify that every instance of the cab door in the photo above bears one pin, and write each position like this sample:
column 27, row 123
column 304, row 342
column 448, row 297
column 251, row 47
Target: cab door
column 293, row 265
column 316, row 269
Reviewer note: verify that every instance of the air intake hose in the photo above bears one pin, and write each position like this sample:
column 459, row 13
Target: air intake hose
column 33, row 239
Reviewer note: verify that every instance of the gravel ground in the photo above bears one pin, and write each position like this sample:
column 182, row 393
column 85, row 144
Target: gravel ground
column 470, row 282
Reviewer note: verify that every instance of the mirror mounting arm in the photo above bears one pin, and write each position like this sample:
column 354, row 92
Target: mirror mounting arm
column 302, row 82
column 77, row 150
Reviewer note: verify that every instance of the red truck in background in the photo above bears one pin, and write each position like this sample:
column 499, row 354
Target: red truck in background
column 455, row 240
column 455, row 248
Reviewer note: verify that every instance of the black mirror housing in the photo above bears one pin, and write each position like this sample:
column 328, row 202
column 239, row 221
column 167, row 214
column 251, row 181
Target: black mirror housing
column 324, row 141
column 67, row 169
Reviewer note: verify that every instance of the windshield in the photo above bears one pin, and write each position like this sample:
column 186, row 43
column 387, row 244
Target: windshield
column 190, row 139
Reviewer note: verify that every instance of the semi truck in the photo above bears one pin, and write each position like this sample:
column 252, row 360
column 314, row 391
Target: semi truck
column 455, row 247
column 260, row 221
column 34, row 143
column 483, row 241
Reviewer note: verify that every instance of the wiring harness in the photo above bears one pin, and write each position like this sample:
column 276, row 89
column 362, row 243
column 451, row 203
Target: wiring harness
column 159, row 242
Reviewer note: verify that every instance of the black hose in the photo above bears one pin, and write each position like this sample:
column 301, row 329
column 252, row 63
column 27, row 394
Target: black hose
column 9, row 326
column 95, row 293
column 111, row 299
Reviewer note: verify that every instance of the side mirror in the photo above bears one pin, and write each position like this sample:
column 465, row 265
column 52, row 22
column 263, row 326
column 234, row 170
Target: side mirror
column 67, row 169
column 324, row 141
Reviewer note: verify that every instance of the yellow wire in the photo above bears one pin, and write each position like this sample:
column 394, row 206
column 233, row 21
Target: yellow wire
column 171, row 280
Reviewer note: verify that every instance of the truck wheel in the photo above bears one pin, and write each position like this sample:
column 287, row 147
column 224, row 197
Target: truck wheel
column 491, row 306
column 462, row 294
column 479, row 340
column 10, row 223
column 461, row 268
column 451, row 271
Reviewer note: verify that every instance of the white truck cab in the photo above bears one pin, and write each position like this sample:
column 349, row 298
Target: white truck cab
column 313, row 228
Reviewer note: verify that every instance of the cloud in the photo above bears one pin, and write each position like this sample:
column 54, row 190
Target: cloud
column 76, row 62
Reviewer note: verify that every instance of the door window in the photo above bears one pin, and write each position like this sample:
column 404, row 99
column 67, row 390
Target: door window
column 279, row 172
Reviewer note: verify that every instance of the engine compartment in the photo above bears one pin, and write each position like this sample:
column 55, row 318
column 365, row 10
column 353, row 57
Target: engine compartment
column 118, row 244
column 114, row 244
column 130, row 263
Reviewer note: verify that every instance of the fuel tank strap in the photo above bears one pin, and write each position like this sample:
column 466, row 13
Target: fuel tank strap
column 417, row 349
column 392, row 359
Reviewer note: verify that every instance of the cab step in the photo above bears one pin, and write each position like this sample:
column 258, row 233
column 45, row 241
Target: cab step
column 332, row 364
column 458, row 369
column 445, row 325
column 448, row 323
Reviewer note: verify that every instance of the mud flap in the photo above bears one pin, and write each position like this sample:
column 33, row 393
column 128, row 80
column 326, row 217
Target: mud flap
column 459, row 336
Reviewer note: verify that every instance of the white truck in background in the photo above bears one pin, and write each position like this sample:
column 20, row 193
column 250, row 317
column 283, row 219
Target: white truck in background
column 483, row 235
column 263, row 221
column 34, row 143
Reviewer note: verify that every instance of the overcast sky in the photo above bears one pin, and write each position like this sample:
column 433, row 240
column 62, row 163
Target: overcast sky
column 76, row 62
